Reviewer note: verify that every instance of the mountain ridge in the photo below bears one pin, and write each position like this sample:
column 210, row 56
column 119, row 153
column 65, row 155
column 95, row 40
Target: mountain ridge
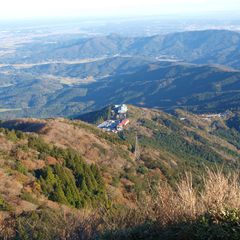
column 206, row 89
column 203, row 46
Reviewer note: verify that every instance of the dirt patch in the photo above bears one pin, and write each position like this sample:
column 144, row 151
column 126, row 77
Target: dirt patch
column 33, row 165
column 5, row 145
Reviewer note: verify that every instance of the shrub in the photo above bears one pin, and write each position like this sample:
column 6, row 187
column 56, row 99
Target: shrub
column 181, row 213
column 43, row 224
column 115, row 181
column 223, row 224
column 20, row 167
column 142, row 169
column 28, row 197
column 4, row 206
column 13, row 135
column 47, row 224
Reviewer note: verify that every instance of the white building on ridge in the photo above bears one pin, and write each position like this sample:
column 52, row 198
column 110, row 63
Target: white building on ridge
column 121, row 109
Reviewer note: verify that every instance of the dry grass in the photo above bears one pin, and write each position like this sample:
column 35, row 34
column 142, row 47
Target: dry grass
column 187, row 196
column 185, row 203
column 220, row 191
column 165, row 207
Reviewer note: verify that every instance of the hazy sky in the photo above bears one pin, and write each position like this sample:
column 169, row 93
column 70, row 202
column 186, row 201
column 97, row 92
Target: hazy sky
column 12, row 9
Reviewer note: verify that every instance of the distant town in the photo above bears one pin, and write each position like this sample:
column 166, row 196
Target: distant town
column 117, row 121
column 210, row 116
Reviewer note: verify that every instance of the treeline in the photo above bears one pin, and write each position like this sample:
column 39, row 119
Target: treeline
column 231, row 135
column 71, row 181
column 188, row 149
column 13, row 135
column 175, row 143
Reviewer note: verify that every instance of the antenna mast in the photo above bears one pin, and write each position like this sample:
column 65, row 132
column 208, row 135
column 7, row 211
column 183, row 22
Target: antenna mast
column 136, row 149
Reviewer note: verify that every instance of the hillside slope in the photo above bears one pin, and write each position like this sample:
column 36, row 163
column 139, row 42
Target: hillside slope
column 168, row 146
column 74, row 165
column 165, row 85
column 169, row 86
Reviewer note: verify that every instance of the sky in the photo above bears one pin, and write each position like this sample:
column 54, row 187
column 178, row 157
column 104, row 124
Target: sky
column 25, row 9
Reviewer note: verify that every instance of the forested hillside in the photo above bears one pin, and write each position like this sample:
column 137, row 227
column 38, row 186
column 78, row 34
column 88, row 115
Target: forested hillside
column 163, row 85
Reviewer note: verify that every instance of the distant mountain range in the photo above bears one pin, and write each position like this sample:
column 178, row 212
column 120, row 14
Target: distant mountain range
column 172, row 85
column 67, row 78
column 209, row 46
column 164, row 85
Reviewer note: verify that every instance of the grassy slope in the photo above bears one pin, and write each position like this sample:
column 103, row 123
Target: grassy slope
column 168, row 148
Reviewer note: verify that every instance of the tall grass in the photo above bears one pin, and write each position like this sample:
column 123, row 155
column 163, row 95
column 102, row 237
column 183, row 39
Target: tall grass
column 183, row 212
column 182, row 207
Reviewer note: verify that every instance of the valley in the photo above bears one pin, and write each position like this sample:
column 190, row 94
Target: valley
column 69, row 76
column 70, row 89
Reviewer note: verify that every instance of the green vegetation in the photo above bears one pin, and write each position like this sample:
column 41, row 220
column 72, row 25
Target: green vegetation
column 4, row 206
column 150, row 197
column 21, row 168
column 167, row 213
column 73, row 182
column 43, row 224
column 212, row 225
column 142, row 169
column 96, row 117
column 232, row 133
column 234, row 122
column 13, row 135
column 181, row 147
column 29, row 197
column 79, row 188
column 189, row 150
